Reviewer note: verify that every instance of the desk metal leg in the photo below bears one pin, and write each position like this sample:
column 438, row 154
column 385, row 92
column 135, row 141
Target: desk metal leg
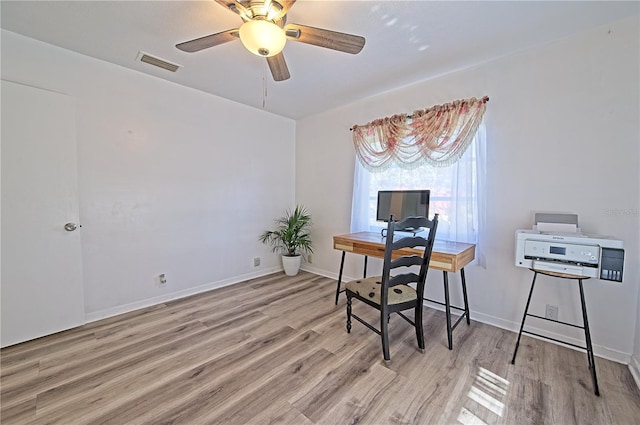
column 340, row 277
column 587, row 335
column 524, row 316
column 447, row 307
column 364, row 273
column 464, row 295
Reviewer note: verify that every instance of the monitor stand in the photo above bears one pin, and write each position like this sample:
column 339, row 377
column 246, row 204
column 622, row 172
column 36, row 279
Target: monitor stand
column 412, row 230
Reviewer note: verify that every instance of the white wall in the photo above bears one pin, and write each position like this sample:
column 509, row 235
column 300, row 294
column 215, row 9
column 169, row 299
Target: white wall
column 171, row 180
column 562, row 128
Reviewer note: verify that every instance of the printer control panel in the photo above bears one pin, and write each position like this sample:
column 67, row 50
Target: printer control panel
column 575, row 253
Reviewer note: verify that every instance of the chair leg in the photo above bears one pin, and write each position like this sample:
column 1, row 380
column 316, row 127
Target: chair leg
column 417, row 319
column 348, row 313
column 384, row 334
column 524, row 316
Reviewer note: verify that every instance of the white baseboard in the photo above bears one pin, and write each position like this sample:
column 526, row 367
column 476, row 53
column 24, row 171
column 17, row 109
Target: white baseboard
column 126, row 308
column 634, row 368
column 309, row 268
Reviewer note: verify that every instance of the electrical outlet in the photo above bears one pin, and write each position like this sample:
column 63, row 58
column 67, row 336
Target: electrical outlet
column 551, row 312
column 309, row 258
column 162, row 279
column 256, row 261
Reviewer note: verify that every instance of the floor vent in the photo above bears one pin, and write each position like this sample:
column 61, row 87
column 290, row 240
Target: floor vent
column 155, row 61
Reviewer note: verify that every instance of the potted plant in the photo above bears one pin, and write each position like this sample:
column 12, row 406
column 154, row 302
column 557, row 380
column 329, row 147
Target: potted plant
column 291, row 238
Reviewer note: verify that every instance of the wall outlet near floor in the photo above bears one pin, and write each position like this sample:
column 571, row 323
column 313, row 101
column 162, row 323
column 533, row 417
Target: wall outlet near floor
column 256, row 261
column 551, row 312
column 309, row 258
column 162, row 279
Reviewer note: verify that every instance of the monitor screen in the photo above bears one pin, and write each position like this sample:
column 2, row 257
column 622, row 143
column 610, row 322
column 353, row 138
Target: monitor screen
column 402, row 204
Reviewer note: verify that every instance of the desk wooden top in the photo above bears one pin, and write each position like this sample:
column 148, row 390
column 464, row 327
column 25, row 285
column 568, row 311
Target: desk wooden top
column 447, row 256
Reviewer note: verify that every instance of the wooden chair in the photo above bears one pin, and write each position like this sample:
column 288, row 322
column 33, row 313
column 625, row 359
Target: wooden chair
column 390, row 292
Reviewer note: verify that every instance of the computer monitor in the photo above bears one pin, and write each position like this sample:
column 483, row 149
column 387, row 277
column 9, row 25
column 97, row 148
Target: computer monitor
column 402, row 204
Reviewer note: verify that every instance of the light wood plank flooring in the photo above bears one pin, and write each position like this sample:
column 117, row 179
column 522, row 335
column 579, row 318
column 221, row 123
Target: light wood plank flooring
column 275, row 350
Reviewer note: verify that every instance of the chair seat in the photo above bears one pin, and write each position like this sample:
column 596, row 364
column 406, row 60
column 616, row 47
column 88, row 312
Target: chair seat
column 370, row 288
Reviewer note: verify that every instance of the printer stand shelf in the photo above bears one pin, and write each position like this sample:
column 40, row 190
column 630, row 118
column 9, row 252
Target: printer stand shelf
column 585, row 326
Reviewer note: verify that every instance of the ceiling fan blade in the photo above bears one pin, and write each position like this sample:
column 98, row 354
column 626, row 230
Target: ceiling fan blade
column 286, row 5
column 278, row 67
column 208, row 41
column 236, row 7
column 325, row 38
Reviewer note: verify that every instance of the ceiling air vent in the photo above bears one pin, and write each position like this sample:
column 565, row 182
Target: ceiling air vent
column 155, row 61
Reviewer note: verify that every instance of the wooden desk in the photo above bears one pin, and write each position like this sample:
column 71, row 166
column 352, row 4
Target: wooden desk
column 446, row 256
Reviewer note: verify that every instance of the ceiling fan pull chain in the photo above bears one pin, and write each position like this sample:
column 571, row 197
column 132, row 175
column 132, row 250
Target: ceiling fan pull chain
column 264, row 85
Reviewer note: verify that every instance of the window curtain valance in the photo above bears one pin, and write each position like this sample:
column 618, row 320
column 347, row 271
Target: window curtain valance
column 438, row 136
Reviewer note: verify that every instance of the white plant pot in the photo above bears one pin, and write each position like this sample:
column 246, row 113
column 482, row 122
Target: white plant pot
column 291, row 264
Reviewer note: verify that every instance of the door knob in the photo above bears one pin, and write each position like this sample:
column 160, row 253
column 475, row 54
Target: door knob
column 70, row 227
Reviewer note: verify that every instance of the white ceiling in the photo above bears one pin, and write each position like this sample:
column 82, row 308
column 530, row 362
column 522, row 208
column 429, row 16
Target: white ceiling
column 407, row 42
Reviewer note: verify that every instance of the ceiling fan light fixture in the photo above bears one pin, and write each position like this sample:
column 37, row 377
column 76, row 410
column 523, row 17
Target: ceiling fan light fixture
column 262, row 37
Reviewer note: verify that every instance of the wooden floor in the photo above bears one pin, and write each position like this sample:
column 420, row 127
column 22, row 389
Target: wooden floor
column 275, row 350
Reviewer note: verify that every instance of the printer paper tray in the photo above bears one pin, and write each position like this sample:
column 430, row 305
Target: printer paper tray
column 559, row 267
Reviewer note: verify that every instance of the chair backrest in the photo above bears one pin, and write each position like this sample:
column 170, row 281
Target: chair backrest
column 395, row 270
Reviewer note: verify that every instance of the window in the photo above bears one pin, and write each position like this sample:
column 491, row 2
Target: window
column 456, row 193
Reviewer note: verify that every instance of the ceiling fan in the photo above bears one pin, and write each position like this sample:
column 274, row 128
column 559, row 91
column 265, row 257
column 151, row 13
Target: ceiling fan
column 265, row 32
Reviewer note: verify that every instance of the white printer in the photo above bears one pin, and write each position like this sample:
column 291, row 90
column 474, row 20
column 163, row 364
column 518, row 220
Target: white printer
column 556, row 244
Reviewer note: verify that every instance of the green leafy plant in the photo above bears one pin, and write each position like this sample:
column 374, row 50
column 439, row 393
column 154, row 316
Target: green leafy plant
column 291, row 236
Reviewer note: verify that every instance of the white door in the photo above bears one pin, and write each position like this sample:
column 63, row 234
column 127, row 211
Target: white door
column 41, row 276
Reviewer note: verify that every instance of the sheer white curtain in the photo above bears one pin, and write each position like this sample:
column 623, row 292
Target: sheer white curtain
column 457, row 194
